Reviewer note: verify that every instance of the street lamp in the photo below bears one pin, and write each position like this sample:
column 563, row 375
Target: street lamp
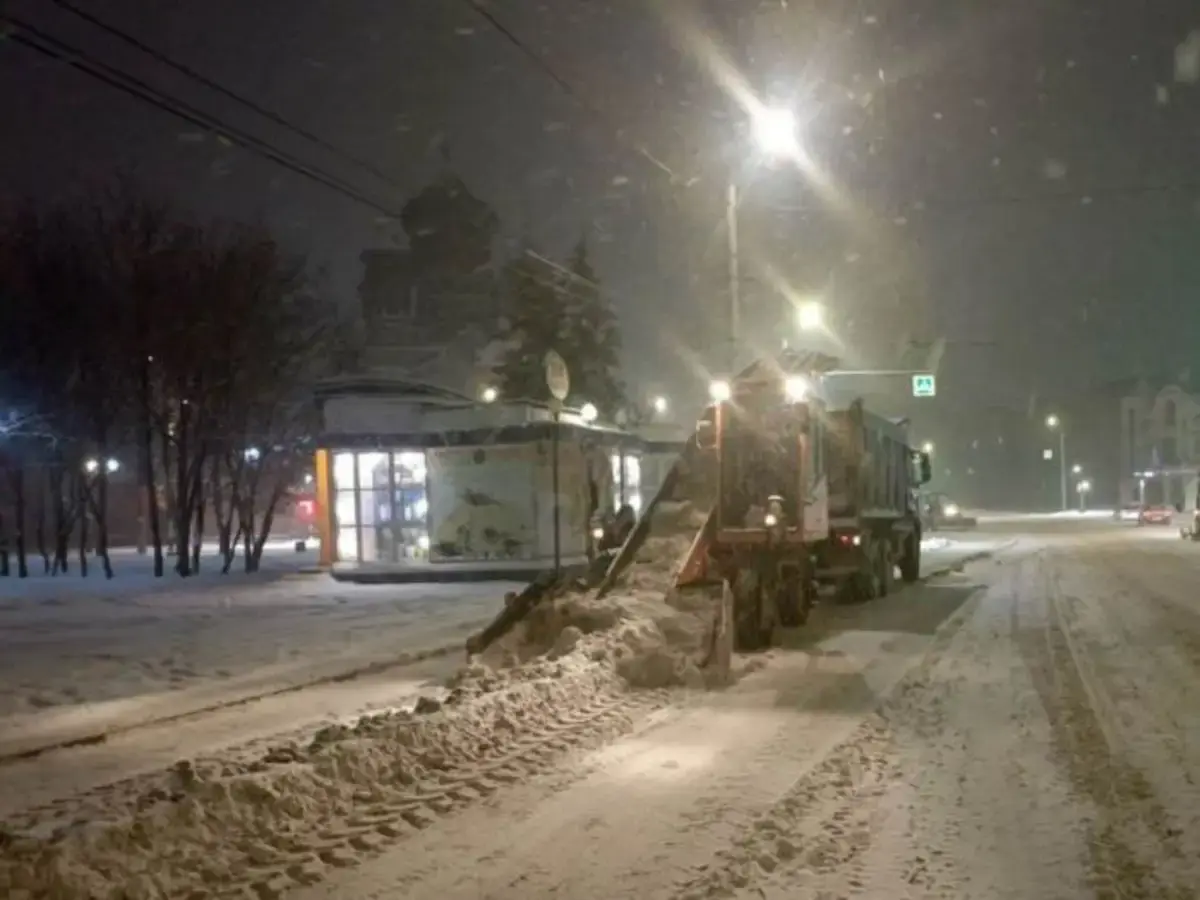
column 1077, row 469
column 1055, row 424
column 489, row 394
column 927, row 448
column 775, row 131
column 776, row 135
column 588, row 412
column 810, row 316
column 660, row 405
column 1083, row 488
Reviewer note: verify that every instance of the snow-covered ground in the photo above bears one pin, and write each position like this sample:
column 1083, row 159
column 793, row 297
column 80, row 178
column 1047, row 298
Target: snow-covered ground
column 80, row 656
column 1026, row 729
column 552, row 707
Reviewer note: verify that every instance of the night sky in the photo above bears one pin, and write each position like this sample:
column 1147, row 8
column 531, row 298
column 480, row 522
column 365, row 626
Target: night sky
column 1023, row 174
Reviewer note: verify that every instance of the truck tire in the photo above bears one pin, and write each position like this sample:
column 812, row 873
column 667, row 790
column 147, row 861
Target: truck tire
column 753, row 631
column 865, row 584
column 910, row 560
column 795, row 598
column 887, row 569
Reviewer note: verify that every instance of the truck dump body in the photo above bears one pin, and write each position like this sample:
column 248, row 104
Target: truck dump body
column 869, row 465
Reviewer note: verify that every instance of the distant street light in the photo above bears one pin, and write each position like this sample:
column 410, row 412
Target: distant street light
column 588, row 412
column 1055, row 424
column 1077, row 469
column 112, row 465
column 251, row 454
column 927, row 448
column 489, row 394
column 660, row 405
column 1083, row 488
column 810, row 316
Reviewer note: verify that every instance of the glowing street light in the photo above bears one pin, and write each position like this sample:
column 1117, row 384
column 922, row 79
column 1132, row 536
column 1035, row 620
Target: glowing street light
column 252, row 454
column 91, row 466
column 776, row 134
column 588, row 412
column 1055, row 424
column 660, row 405
column 927, row 448
column 1077, row 469
column 1083, row 488
column 775, row 131
column 489, row 394
column 810, row 316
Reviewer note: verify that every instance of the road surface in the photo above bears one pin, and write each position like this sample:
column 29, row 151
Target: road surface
column 1025, row 725
column 1027, row 729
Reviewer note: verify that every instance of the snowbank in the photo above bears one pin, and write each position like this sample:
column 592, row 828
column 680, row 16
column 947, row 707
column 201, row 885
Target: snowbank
column 652, row 635
column 68, row 641
column 259, row 824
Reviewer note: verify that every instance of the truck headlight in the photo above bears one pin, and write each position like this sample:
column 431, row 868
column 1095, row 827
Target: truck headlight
column 795, row 388
column 719, row 391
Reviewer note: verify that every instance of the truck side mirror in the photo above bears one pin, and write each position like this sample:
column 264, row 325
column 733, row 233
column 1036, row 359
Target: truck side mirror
column 706, row 435
column 926, row 469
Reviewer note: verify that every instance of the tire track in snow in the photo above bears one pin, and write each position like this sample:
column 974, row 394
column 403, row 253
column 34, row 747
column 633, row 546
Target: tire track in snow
column 828, row 818
column 1131, row 826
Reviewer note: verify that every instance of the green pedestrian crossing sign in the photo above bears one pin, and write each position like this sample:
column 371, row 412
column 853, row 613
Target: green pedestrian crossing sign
column 924, row 385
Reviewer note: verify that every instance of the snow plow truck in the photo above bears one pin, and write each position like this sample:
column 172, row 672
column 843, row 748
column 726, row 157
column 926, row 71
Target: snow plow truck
column 806, row 496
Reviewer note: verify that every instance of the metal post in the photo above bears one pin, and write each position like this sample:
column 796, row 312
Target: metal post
column 554, row 490
column 731, row 222
column 1062, row 462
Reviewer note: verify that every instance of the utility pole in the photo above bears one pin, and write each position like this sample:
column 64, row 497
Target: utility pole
column 731, row 223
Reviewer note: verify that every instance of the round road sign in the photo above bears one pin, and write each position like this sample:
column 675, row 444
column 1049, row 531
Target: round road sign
column 558, row 378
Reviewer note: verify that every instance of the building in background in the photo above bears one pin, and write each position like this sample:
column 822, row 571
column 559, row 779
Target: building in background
column 1159, row 441
column 426, row 326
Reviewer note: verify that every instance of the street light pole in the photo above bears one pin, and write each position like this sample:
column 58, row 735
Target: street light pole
column 1062, row 464
column 731, row 224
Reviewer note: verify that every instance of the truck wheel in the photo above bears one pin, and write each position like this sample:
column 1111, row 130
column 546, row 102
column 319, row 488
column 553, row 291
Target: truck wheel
column 864, row 584
column 910, row 561
column 752, row 629
column 887, row 569
column 795, row 599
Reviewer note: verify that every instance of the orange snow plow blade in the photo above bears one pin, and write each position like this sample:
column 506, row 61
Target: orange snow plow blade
column 695, row 569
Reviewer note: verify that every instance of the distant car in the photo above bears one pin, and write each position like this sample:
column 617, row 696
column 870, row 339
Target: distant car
column 1159, row 514
column 939, row 511
column 1130, row 512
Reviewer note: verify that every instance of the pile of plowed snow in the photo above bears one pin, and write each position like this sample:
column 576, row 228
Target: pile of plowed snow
column 260, row 826
column 652, row 635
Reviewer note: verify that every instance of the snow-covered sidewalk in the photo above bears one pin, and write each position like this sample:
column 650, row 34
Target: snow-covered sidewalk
column 83, row 656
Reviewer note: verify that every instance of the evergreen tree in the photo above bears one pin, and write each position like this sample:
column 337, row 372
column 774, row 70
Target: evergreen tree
column 567, row 313
column 591, row 338
column 534, row 317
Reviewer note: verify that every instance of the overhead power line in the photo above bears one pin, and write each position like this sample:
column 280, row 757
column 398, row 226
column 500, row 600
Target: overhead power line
column 228, row 93
column 47, row 45
column 546, row 69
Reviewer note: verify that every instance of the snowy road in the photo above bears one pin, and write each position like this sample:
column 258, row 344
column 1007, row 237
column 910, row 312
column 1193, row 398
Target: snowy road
column 1027, row 729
